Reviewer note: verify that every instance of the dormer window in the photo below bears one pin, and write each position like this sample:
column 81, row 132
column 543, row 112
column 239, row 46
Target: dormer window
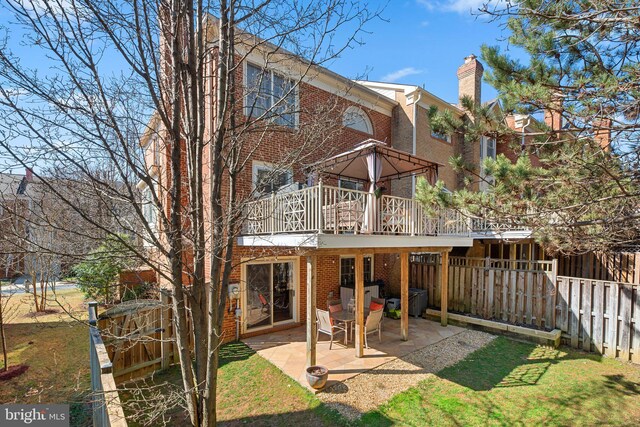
column 355, row 118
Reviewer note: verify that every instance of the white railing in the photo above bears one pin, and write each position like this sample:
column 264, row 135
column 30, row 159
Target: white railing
column 485, row 225
column 327, row 209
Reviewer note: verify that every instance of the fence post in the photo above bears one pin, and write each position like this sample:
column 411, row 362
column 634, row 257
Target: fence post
column 554, row 283
column 166, row 334
column 319, row 214
column 273, row 212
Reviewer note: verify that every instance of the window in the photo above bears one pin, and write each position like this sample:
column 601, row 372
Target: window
column 348, row 270
column 487, row 151
column 268, row 179
column 149, row 209
column 440, row 135
column 270, row 94
column 357, row 119
column 351, row 185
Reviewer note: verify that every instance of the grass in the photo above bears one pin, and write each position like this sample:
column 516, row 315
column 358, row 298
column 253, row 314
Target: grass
column 56, row 349
column 515, row 383
column 506, row 383
column 250, row 391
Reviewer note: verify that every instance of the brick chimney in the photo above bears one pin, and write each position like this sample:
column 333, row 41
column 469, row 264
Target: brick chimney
column 553, row 119
column 602, row 133
column 470, row 79
column 553, row 114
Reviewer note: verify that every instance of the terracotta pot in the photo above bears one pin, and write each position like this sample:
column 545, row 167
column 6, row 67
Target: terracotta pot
column 317, row 376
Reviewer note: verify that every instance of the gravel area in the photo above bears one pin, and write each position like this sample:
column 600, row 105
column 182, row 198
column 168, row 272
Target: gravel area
column 370, row 389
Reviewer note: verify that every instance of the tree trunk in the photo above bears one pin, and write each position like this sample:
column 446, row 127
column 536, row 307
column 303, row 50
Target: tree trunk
column 3, row 337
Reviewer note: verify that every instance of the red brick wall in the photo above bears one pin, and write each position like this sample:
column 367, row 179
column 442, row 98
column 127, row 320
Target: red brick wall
column 320, row 130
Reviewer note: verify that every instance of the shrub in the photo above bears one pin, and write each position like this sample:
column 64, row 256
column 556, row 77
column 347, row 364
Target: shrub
column 97, row 275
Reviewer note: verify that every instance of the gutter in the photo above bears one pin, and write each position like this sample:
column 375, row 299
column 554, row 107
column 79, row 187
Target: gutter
column 415, row 135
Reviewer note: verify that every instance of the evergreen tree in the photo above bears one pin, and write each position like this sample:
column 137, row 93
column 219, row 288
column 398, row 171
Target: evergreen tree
column 581, row 193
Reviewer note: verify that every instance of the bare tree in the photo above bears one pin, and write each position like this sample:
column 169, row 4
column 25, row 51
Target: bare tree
column 114, row 64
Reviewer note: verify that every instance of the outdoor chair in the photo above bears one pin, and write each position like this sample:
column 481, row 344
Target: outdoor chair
column 263, row 301
column 335, row 306
column 325, row 326
column 373, row 324
column 378, row 304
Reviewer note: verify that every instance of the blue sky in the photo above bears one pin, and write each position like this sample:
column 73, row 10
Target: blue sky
column 423, row 43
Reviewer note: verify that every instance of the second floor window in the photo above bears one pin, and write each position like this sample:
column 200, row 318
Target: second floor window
column 270, row 94
column 149, row 209
column 487, row 151
column 440, row 135
column 268, row 179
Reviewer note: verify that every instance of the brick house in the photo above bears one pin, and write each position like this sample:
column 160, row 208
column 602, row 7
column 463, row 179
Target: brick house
column 312, row 234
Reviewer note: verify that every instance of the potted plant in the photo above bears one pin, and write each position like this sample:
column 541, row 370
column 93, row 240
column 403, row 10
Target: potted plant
column 317, row 376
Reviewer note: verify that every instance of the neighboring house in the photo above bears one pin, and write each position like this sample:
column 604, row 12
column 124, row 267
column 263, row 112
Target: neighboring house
column 41, row 235
column 15, row 204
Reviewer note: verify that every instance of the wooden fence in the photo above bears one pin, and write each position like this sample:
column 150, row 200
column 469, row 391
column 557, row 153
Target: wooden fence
column 594, row 315
column 600, row 316
column 137, row 335
column 107, row 409
column 611, row 266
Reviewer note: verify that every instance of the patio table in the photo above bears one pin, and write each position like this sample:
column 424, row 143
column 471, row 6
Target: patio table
column 348, row 318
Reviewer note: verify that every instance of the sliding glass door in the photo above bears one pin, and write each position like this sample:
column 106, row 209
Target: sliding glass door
column 270, row 294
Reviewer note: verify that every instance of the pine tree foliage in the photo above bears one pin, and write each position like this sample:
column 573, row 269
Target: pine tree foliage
column 576, row 190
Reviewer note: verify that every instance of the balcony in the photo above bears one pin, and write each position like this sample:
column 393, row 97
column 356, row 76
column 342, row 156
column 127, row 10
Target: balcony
column 312, row 215
column 323, row 209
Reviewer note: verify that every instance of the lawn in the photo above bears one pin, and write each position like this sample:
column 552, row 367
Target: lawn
column 515, row 383
column 55, row 347
column 250, row 391
column 506, row 383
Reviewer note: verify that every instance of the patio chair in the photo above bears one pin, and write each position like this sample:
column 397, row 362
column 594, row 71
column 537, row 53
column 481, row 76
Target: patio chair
column 263, row 301
column 325, row 326
column 373, row 324
column 334, row 306
column 378, row 304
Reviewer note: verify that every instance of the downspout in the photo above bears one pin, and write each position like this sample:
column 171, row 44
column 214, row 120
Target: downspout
column 415, row 136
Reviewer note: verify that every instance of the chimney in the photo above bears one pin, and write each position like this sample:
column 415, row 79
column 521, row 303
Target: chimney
column 602, row 133
column 553, row 114
column 470, row 78
column 553, row 119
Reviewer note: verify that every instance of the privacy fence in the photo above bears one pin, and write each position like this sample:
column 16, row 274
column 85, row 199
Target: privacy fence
column 612, row 266
column 128, row 341
column 105, row 401
column 594, row 315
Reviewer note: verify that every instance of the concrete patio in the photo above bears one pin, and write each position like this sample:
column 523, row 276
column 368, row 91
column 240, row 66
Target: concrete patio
column 287, row 349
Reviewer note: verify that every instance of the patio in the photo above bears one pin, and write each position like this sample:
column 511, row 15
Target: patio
column 287, row 349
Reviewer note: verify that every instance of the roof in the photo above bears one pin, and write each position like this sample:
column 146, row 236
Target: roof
column 395, row 163
column 311, row 71
column 409, row 90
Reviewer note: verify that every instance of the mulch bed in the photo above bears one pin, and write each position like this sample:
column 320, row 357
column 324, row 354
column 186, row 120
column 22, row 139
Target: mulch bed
column 13, row 371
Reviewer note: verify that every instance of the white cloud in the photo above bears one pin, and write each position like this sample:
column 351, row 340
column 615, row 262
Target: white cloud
column 458, row 6
column 398, row 74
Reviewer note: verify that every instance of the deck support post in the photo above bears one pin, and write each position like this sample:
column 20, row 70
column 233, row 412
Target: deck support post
column 404, row 295
column 444, row 286
column 312, row 336
column 359, row 341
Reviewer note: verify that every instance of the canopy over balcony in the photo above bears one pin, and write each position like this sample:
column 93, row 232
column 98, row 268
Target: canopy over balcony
column 359, row 165
column 323, row 216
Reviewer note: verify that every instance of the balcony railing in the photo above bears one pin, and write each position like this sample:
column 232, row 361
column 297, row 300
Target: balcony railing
column 327, row 209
